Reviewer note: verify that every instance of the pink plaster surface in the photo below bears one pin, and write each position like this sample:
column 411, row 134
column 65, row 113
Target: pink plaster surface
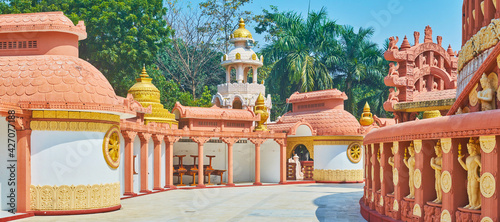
column 41, row 22
column 435, row 95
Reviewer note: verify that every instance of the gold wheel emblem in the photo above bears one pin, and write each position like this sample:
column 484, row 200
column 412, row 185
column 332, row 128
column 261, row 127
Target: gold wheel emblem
column 354, row 152
column 111, row 147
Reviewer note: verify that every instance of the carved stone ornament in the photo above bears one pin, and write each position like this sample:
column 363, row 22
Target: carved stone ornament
column 446, row 145
column 486, row 219
column 417, row 211
column 395, row 205
column 487, row 143
column 395, row 144
column 417, row 145
column 395, row 176
column 381, row 175
column 354, row 152
column 487, row 185
column 473, row 96
column 111, row 147
column 445, row 216
column 446, row 181
column 417, row 178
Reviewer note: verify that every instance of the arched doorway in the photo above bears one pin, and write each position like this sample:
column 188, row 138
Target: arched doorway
column 302, row 152
column 237, row 104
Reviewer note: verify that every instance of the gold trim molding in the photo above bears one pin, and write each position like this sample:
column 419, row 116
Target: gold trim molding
column 445, row 216
column 58, row 114
column 487, row 184
column 446, row 181
column 446, row 145
column 79, row 197
column 69, row 126
column 338, row 175
column 487, row 143
column 111, row 147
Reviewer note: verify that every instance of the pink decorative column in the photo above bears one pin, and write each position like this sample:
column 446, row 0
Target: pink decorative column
column 157, row 139
column 401, row 180
column 490, row 163
column 129, row 137
column 23, row 169
column 230, row 142
column 169, row 160
column 144, row 137
column 200, row 141
column 282, row 143
column 257, row 143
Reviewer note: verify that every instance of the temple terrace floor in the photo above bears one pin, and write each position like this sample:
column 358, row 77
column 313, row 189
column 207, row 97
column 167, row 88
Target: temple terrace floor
column 300, row 202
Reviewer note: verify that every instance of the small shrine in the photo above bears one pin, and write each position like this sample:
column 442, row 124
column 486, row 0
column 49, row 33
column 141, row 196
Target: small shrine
column 237, row 92
column 326, row 139
column 424, row 76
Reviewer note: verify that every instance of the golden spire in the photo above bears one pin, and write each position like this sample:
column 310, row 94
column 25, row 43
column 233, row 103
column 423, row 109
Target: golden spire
column 146, row 93
column 242, row 32
column 366, row 117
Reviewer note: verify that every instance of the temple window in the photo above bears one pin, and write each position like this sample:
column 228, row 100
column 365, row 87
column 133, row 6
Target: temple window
column 18, row 45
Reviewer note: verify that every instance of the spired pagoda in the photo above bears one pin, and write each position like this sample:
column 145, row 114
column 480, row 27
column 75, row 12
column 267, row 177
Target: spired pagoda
column 237, row 92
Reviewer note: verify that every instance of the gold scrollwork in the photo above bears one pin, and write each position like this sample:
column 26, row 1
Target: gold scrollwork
column 338, row 175
column 72, row 197
column 417, row 211
column 473, row 100
column 417, row 145
column 486, row 219
column 395, row 176
column 487, row 143
column 111, row 147
column 417, row 178
column 381, row 175
column 446, row 144
column 354, row 152
column 395, row 205
column 446, row 181
column 69, row 126
column 445, row 216
column 487, row 184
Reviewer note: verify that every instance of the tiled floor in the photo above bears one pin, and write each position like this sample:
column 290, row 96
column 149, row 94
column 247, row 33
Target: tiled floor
column 302, row 202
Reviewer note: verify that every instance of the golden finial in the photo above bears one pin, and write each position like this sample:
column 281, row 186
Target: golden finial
column 260, row 100
column 366, row 117
column 242, row 23
column 261, row 109
column 144, row 74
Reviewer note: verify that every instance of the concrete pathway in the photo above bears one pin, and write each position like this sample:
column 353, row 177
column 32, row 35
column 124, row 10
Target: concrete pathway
column 301, row 202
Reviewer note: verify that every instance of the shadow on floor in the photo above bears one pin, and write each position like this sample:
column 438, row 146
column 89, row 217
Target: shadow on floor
column 339, row 207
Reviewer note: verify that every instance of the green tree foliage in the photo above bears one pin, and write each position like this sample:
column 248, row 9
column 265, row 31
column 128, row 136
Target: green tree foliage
column 314, row 53
column 122, row 34
column 357, row 65
column 297, row 51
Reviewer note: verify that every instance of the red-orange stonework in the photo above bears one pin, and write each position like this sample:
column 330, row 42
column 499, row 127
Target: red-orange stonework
column 469, row 131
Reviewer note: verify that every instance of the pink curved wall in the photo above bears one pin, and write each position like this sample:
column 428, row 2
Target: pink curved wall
column 48, row 43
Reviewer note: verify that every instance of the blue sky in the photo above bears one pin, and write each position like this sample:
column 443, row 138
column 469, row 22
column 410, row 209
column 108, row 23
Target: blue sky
column 388, row 17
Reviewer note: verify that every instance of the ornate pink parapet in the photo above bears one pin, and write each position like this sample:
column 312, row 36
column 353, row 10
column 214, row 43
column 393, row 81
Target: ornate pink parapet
column 424, row 76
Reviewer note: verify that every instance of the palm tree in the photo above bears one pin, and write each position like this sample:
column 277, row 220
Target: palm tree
column 357, row 65
column 297, row 52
